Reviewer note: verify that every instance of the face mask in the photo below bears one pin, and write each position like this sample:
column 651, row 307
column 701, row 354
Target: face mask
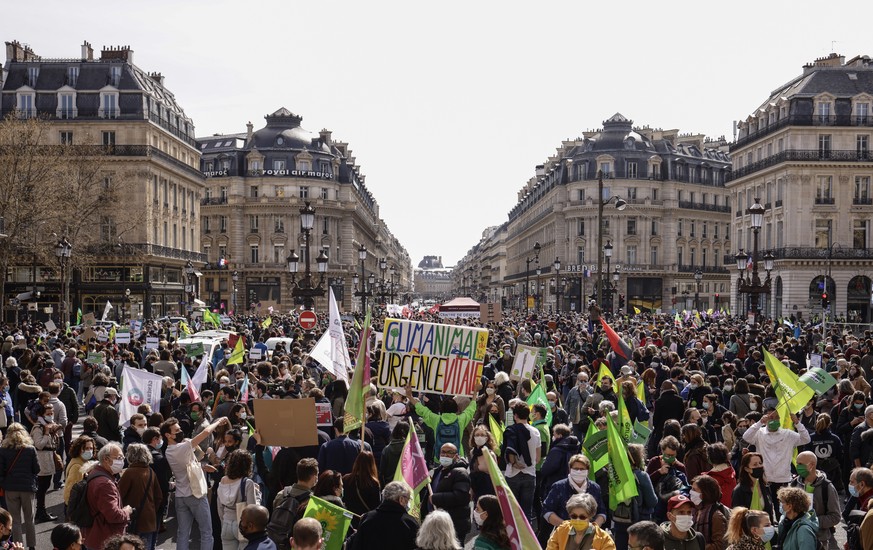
column 140, row 431
column 477, row 517
column 552, row 404
column 802, row 470
column 195, row 416
column 706, row 405
column 179, row 437
column 692, row 385
column 758, row 472
column 579, row 524
column 49, row 418
column 221, row 452
column 243, row 416
column 446, row 461
column 668, row 459
column 489, row 391
column 480, row 440
column 583, row 385
column 768, row 533
column 87, row 455
column 753, row 406
column 728, row 387
column 684, row 523
column 773, row 425
column 695, row 497
column 578, row 476
column 243, row 533
column 493, row 362
column 853, row 491
column 859, row 406
column 117, row 465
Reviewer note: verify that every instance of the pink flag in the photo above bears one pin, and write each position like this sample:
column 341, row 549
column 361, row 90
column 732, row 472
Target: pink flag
column 521, row 536
column 192, row 391
column 412, row 466
column 244, row 391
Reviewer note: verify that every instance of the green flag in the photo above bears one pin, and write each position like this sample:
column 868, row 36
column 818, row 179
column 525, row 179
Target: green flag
column 356, row 401
column 818, row 379
column 625, row 426
column 538, row 395
column 622, row 483
column 209, row 317
column 793, row 394
column 79, row 316
column 595, row 446
column 641, row 395
column 496, row 429
column 639, row 433
column 604, row 372
column 334, row 521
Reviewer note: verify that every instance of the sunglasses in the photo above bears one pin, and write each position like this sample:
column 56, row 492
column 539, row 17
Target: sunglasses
column 582, row 517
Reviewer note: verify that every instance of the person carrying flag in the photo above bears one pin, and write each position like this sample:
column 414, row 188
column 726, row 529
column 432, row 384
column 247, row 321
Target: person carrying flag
column 776, row 445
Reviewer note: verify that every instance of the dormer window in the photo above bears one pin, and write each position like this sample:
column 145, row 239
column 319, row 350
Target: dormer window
column 115, row 75
column 72, row 76
column 280, row 140
column 26, row 104
column 109, row 105
column 66, row 105
column 32, row 76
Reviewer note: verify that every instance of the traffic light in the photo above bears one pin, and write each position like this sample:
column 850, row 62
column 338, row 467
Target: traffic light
column 825, row 301
column 620, row 301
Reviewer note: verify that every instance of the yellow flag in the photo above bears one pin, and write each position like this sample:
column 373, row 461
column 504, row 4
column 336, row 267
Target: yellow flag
column 238, row 353
column 496, row 429
column 637, row 310
column 604, row 371
column 267, row 322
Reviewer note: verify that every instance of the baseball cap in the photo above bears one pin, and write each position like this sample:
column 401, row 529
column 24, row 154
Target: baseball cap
column 627, row 370
column 110, row 391
column 677, row 501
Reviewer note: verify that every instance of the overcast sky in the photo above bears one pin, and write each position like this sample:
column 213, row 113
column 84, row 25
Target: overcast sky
column 448, row 106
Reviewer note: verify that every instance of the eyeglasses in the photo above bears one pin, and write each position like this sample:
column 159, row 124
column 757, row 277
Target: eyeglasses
column 581, row 517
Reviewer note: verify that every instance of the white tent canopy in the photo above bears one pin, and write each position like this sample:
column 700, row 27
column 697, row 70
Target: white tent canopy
column 459, row 308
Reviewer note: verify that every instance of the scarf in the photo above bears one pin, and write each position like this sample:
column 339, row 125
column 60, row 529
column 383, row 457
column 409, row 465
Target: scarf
column 579, row 488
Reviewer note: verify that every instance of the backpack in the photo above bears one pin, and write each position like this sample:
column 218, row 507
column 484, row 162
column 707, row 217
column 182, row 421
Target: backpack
column 78, row 511
column 515, row 440
column 853, row 530
column 447, row 433
column 77, row 369
column 285, row 514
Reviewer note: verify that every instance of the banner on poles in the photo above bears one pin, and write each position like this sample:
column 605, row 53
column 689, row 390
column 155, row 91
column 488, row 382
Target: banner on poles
column 432, row 357
column 138, row 387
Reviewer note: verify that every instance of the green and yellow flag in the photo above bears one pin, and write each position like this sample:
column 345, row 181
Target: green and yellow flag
column 622, row 483
column 639, row 433
column 335, row 521
column 625, row 426
column 604, row 372
column 183, row 326
column 538, row 395
column 792, row 394
column 237, row 356
column 209, row 317
column 79, row 316
column 496, row 429
column 112, row 334
column 267, row 322
column 595, row 448
column 356, row 402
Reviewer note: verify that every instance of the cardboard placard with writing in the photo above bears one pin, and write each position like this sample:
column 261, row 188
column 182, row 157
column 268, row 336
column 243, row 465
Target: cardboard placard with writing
column 50, row 325
column 286, row 422
column 152, row 342
column 89, row 320
column 490, row 313
column 87, row 334
column 323, row 414
column 122, row 336
column 255, row 354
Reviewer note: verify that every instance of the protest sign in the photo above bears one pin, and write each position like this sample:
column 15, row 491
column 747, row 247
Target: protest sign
column 432, row 357
column 89, row 320
column 815, row 360
column 122, row 336
column 255, row 354
column 193, row 350
column 102, row 337
column 50, row 325
column 138, row 387
column 286, row 422
column 525, row 361
column 151, row 342
column 490, row 313
column 88, row 333
column 94, row 358
column 323, row 414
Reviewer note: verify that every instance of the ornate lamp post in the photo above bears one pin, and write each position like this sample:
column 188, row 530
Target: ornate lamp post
column 383, row 283
column 607, row 253
column 698, row 276
column 392, row 273
column 752, row 285
column 620, row 204
column 189, row 287
column 528, row 261
column 557, row 266
column 235, row 279
column 305, row 289
column 363, row 292
column 63, row 250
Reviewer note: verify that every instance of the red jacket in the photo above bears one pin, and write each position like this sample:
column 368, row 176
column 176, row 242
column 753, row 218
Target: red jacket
column 727, row 480
column 104, row 501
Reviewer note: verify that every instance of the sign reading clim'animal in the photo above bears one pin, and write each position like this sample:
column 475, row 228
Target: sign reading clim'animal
column 432, row 357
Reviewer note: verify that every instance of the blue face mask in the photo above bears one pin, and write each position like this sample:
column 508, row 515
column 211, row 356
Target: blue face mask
column 853, row 491
column 768, row 533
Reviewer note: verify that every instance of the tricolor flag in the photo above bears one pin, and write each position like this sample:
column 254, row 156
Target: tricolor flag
column 186, row 381
column 356, row 402
column 619, row 346
column 412, row 469
column 521, row 536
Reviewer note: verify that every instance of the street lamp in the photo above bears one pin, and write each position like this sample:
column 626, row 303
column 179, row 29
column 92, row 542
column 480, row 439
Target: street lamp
column 305, row 289
column 698, row 276
column 235, row 279
column 363, row 292
column 607, row 253
column 752, row 285
column 620, row 204
column 393, row 288
column 383, row 283
column 63, row 250
column 189, row 272
column 557, row 266
column 124, row 302
column 528, row 261
column 614, row 288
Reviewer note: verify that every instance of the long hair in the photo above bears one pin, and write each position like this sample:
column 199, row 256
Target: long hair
column 746, row 479
column 741, row 522
column 16, row 437
column 822, row 423
column 328, row 482
column 493, row 528
column 364, row 472
column 437, row 532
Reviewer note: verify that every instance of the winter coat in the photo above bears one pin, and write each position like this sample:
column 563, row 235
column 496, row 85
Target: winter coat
column 22, row 476
column 560, row 493
column 73, row 475
column 390, row 458
column 360, row 500
column 668, row 405
column 556, row 466
column 46, row 445
column 339, row 454
column 388, row 527
column 107, row 421
column 561, row 535
column 742, row 496
column 451, row 492
column 727, row 480
column 692, row 540
column 802, row 535
column 828, row 517
column 133, row 485
column 711, row 521
column 739, row 404
column 104, row 502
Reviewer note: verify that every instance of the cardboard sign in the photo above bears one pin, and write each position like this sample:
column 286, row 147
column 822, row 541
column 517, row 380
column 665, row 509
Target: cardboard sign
column 286, row 422
column 102, row 337
column 525, row 361
column 152, row 342
column 432, row 357
column 89, row 320
column 193, row 350
column 50, row 325
column 87, row 334
column 122, row 336
column 490, row 313
column 255, row 354
column 323, row 415
column 94, row 358
column 815, row 360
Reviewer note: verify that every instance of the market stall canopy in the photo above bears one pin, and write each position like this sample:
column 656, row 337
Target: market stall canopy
column 460, row 308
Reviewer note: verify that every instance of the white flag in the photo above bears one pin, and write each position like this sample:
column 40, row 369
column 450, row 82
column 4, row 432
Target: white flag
column 137, row 387
column 201, row 374
column 331, row 350
column 106, row 310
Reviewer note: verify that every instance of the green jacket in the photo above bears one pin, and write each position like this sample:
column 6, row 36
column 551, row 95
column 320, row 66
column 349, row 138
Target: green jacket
column 483, row 543
column 432, row 420
column 546, row 437
column 802, row 535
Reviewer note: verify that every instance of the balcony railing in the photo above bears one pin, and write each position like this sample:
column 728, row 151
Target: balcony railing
column 802, row 155
column 862, row 201
column 824, row 200
column 211, row 201
column 146, row 249
column 704, row 268
column 706, row 207
column 803, row 120
column 809, row 253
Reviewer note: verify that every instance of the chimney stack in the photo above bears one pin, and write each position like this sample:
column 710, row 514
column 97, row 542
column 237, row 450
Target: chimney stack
column 249, row 129
column 157, row 77
column 325, row 135
column 16, row 51
column 120, row 53
column 87, row 52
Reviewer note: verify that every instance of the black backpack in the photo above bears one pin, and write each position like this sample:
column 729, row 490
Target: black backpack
column 286, row 512
column 78, row 511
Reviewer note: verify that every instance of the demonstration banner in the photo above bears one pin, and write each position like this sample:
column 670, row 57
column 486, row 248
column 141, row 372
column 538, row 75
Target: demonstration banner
column 432, row 357
column 526, row 359
column 335, row 521
column 138, row 387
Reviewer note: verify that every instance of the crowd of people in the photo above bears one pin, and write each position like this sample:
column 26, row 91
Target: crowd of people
column 720, row 468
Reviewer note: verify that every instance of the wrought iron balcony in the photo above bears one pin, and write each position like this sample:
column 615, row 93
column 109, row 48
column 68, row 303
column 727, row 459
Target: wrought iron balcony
column 803, row 120
column 801, row 155
column 706, row 207
column 211, row 201
column 862, row 201
column 824, row 200
column 704, row 269
column 810, row 253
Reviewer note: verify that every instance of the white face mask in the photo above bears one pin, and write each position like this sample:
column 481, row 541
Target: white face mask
column 446, row 461
column 480, row 440
column 117, row 465
column 695, row 497
column 140, row 431
column 489, row 391
column 753, row 406
column 684, row 523
column 578, row 476
column 478, row 517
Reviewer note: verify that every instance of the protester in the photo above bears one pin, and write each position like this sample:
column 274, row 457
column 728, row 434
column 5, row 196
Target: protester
column 110, row 515
column 66, row 536
column 749, row 529
column 645, row 535
column 437, row 532
column 679, row 533
column 253, row 527
column 488, row 518
column 19, row 466
column 140, row 489
column 307, row 535
column 46, row 437
column 776, row 446
column 710, row 515
column 798, row 528
column 450, row 489
column 580, row 530
column 389, row 526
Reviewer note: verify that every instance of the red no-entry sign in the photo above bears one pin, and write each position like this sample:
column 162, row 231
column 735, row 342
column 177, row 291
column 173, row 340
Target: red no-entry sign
column 307, row 320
